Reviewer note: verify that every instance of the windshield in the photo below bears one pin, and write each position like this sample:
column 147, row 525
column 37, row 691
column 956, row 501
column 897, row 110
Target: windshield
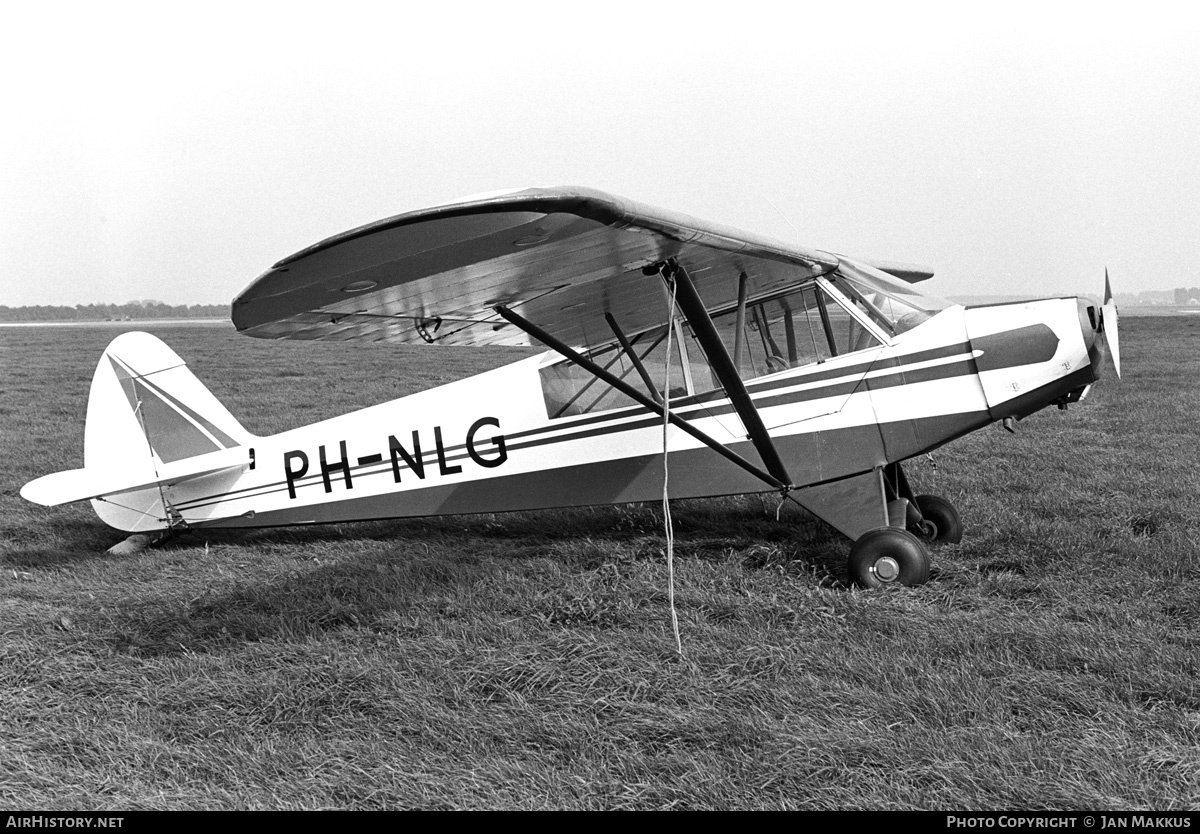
column 895, row 304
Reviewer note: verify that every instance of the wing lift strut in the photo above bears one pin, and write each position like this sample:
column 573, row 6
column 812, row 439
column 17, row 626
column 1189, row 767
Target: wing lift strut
column 692, row 307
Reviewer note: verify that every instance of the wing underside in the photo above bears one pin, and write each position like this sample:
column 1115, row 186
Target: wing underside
column 562, row 257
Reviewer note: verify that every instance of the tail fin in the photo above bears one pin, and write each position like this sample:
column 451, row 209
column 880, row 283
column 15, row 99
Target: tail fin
column 149, row 422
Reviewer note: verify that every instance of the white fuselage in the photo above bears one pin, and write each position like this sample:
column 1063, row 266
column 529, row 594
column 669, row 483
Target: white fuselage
column 487, row 444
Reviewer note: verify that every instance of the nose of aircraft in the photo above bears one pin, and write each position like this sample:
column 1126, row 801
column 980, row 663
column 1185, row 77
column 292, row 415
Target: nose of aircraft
column 1090, row 325
column 1095, row 320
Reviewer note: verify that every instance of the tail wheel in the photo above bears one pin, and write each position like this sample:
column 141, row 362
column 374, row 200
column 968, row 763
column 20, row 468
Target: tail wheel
column 888, row 556
column 941, row 515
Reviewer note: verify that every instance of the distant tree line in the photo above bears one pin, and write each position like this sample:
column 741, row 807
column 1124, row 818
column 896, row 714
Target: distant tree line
column 114, row 312
column 1180, row 296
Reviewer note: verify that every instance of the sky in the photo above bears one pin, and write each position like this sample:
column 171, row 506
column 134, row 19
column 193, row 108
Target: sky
column 171, row 152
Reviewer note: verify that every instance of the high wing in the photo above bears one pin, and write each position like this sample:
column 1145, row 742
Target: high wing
column 563, row 257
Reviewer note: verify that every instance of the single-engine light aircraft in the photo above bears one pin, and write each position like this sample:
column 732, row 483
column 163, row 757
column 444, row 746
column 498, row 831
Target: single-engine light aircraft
column 754, row 365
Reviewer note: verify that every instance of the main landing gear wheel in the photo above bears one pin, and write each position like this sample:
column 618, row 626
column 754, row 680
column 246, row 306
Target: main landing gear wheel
column 888, row 556
column 942, row 521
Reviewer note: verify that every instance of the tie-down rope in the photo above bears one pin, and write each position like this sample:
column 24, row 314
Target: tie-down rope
column 670, row 531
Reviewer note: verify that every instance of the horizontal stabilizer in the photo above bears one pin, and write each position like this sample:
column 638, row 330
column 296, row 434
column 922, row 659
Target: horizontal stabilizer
column 82, row 484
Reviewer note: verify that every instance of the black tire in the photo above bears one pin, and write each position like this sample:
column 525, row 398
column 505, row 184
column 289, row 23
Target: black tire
column 888, row 556
column 944, row 517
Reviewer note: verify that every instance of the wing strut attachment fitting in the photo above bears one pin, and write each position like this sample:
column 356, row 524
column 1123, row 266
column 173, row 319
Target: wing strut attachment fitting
column 693, row 308
column 636, row 395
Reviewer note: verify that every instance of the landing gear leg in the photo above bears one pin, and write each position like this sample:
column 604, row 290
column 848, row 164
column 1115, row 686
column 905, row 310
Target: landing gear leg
column 879, row 512
column 940, row 516
column 929, row 517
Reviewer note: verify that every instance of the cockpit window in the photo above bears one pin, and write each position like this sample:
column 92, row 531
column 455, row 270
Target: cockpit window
column 823, row 318
column 894, row 304
column 777, row 334
column 569, row 389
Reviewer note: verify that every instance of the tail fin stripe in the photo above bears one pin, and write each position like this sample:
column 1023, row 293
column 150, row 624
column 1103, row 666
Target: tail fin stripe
column 125, row 372
column 219, row 436
column 171, row 435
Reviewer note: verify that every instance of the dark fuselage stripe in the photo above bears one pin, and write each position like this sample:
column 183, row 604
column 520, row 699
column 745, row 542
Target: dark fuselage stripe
column 695, row 473
column 530, row 438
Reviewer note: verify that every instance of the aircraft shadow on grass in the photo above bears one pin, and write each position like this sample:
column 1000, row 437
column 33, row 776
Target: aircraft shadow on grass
column 389, row 590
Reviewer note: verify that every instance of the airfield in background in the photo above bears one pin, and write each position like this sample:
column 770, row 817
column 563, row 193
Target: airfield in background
column 1125, row 309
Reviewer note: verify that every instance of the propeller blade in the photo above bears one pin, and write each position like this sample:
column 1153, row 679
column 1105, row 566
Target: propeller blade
column 1110, row 325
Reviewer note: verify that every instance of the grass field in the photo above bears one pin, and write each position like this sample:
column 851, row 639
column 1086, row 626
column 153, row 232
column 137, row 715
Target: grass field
column 526, row 661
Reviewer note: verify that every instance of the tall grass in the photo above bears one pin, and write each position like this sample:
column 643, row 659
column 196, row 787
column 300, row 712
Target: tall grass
column 526, row 660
